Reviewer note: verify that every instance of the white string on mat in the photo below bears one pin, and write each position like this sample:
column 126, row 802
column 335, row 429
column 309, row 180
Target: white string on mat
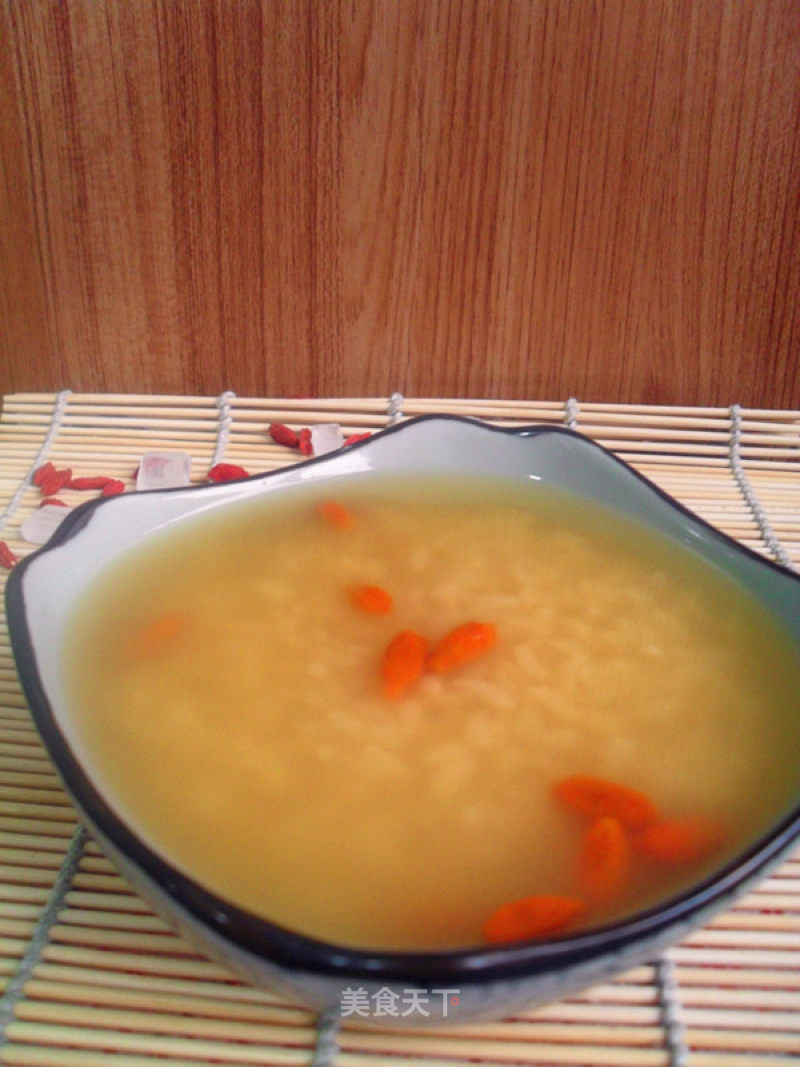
column 41, row 455
column 746, row 489
column 327, row 1047
column 670, row 1005
column 15, row 989
column 224, row 424
column 571, row 409
column 395, row 410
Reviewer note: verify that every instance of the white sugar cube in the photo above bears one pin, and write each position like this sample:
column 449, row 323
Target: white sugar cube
column 326, row 437
column 164, row 470
column 42, row 523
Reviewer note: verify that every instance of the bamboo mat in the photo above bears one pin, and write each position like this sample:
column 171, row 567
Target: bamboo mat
column 91, row 977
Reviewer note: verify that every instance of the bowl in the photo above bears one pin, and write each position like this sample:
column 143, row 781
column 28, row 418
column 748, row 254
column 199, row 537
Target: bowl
column 473, row 983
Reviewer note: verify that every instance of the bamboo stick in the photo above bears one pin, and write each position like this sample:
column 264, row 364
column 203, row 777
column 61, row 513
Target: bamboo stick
column 40, row 1056
column 218, row 992
column 160, row 1022
column 153, row 999
column 181, row 966
column 165, row 943
column 201, row 1051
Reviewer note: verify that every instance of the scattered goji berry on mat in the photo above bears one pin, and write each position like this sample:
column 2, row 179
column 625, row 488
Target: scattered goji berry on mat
column 43, row 472
column 55, row 481
column 403, row 662
column 371, row 599
column 461, row 646
column 99, row 481
column 605, row 861
column 226, row 472
column 304, row 442
column 283, row 435
column 113, row 487
column 336, row 514
column 676, row 842
column 533, row 917
column 595, row 797
column 7, row 557
column 54, row 501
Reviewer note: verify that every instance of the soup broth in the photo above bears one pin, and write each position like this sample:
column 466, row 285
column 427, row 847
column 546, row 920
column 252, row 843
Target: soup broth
column 228, row 697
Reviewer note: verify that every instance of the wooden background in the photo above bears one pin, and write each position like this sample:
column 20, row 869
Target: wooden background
column 511, row 198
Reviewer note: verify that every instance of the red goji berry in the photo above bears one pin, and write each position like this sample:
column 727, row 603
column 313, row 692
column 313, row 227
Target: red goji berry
column 113, row 488
column 226, row 472
column 304, row 442
column 354, row 437
column 55, row 481
column 53, row 500
column 403, row 662
column 461, row 646
column 533, row 917
column 43, row 472
column 284, row 435
column 595, row 798
column 7, row 557
column 99, row 481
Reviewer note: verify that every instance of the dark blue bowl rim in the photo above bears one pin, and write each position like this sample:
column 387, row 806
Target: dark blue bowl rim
column 297, row 952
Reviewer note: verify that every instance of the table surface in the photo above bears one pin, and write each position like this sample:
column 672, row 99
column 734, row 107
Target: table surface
column 91, row 976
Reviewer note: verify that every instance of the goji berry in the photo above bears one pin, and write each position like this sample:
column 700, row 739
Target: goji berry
column 336, row 514
column 355, row 437
column 371, row 599
column 304, row 442
column 403, row 663
column 98, row 481
column 54, row 501
column 533, row 917
column 113, row 488
column 283, row 435
column 676, row 842
column 226, row 472
column 43, row 472
column 7, row 557
column 461, row 646
column 595, row 797
column 605, row 861
column 55, row 481
column 157, row 634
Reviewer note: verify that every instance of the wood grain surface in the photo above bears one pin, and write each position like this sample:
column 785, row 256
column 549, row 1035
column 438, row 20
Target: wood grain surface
column 510, row 198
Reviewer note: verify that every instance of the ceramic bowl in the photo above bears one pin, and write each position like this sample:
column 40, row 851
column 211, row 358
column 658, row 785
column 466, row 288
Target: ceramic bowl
column 475, row 983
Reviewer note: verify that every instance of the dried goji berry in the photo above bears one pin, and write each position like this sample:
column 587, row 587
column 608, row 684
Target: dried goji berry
column 7, row 557
column 226, row 472
column 355, row 437
column 43, row 472
column 99, row 481
column 54, row 501
column 304, row 442
column 55, row 481
column 284, row 435
column 113, row 488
